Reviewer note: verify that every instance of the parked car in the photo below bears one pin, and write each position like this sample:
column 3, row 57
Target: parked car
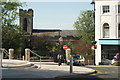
column 108, row 61
column 114, row 59
column 77, row 60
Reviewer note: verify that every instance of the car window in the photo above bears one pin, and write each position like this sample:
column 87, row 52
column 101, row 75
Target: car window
column 77, row 57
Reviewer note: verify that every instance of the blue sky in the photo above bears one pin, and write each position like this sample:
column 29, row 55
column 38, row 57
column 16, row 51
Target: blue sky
column 60, row 15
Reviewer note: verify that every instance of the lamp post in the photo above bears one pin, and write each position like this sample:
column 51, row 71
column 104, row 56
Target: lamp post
column 93, row 3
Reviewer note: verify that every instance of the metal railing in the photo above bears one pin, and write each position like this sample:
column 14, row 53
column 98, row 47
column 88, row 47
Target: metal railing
column 5, row 51
column 37, row 56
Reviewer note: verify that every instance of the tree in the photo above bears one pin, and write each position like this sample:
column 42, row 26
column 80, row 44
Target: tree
column 42, row 45
column 12, row 35
column 85, row 29
column 85, row 25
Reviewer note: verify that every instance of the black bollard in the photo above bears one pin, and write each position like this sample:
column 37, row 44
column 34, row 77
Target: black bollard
column 71, row 65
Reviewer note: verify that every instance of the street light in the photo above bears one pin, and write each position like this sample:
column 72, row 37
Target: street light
column 93, row 3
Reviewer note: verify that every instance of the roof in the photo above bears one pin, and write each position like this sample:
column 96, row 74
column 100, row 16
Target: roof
column 45, row 30
column 53, row 33
column 68, row 33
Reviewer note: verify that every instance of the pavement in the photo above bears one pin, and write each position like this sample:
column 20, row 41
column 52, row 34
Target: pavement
column 6, row 63
column 63, row 67
column 40, row 70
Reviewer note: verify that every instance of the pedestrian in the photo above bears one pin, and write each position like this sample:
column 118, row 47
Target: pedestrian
column 59, row 59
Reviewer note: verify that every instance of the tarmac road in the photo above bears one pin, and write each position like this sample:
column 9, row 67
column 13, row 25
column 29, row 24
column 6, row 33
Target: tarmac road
column 28, row 73
column 104, row 72
column 51, row 71
column 107, row 72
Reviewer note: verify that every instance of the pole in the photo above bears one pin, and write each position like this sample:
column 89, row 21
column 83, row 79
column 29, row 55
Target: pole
column 94, row 57
column 71, row 65
column 93, row 2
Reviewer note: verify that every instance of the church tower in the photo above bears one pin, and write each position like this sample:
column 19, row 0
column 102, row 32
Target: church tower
column 26, row 20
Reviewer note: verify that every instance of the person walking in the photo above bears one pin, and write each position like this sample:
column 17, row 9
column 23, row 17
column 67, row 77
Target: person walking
column 59, row 59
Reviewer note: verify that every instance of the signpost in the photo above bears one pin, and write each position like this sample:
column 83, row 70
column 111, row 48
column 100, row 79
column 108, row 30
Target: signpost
column 61, row 40
column 65, row 47
column 93, row 48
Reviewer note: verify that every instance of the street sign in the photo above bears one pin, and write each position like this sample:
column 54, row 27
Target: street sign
column 65, row 47
column 93, row 48
column 61, row 40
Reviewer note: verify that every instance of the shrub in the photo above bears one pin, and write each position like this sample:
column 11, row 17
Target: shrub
column 117, row 63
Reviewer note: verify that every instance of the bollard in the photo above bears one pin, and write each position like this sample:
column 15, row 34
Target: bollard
column 27, row 54
column 71, row 65
column 11, row 52
column 23, row 58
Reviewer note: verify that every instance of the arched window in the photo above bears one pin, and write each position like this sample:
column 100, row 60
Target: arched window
column 106, row 30
column 119, row 31
column 25, row 24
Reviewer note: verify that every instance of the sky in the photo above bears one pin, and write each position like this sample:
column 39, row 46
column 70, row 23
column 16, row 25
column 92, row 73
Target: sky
column 57, row 15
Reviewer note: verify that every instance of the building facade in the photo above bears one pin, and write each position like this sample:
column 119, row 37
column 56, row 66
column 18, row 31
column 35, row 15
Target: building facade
column 107, row 29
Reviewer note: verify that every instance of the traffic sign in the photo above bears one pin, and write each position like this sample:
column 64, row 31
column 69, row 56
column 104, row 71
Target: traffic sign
column 93, row 48
column 61, row 40
column 65, row 47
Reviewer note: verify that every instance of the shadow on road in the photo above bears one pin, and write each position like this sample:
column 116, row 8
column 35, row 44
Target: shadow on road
column 71, row 77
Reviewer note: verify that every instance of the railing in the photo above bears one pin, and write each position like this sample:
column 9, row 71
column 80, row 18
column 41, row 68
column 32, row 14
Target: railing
column 5, row 51
column 37, row 56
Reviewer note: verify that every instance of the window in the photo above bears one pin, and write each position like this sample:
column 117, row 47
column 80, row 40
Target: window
column 119, row 31
column 106, row 9
column 106, row 30
column 118, row 8
column 25, row 24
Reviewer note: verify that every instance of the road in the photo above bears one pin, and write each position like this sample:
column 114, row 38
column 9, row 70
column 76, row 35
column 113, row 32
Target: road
column 111, row 72
column 107, row 71
column 103, row 73
column 29, row 72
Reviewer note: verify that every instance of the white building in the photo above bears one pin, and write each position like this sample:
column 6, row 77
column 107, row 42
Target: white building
column 107, row 29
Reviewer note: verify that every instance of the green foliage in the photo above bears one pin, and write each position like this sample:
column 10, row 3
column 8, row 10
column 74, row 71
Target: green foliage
column 12, row 35
column 117, row 63
column 42, row 45
column 82, row 47
column 85, row 25
column 85, row 30
column 9, row 13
